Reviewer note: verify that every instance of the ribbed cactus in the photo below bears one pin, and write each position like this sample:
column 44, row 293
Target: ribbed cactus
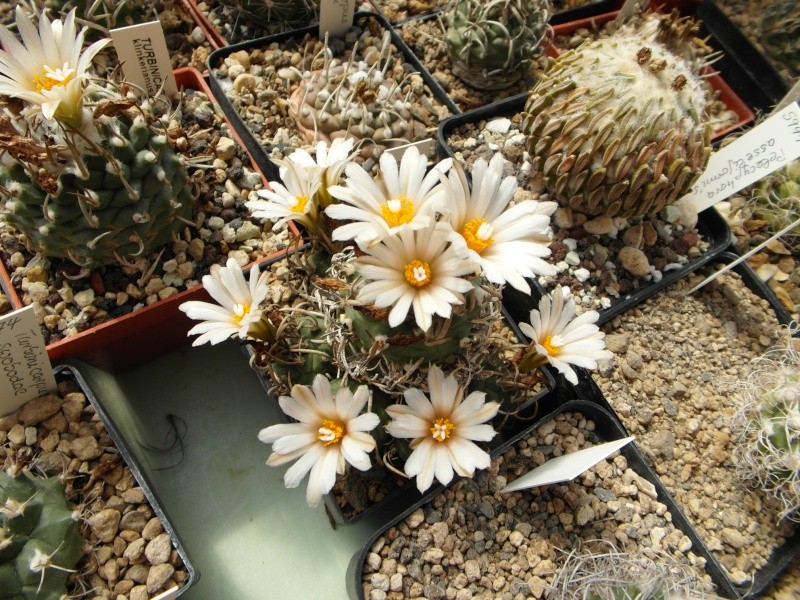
column 354, row 99
column 618, row 125
column 284, row 12
column 39, row 538
column 776, row 201
column 90, row 174
column 780, row 31
column 491, row 43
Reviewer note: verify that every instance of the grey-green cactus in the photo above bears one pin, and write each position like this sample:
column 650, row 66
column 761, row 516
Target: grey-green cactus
column 39, row 539
column 767, row 428
column 280, row 12
column 780, row 32
column 126, row 194
column 618, row 126
column 354, row 99
column 490, row 44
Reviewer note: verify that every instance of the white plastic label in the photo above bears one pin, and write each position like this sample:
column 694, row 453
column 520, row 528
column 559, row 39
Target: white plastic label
column 762, row 150
column 566, row 467
column 335, row 17
column 143, row 52
column 25, row 370
column 170, row 594
column 424, row 146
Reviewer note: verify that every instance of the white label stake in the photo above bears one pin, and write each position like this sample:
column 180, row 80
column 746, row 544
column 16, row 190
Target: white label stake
column 762, row 150
column 335, row 17
column 566, row 467
column 143, row 52
column 25, row 371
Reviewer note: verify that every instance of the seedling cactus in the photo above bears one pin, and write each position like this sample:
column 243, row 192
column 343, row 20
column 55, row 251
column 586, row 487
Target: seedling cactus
column 767, row 425
column 491, row 43
column 618, row 126
column 282, row 13
column 100, row 16
column 775, row 200
column 39, row 539
column 92, row 176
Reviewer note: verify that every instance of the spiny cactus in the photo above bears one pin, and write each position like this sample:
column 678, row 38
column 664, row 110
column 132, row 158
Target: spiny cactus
column 39, row 539
column 776, row 201
column 91, row 176
column 780, row 31
column 618, row 125
column 354, row 99
column 490, row 44
column 282, row 12
column 767, row 428
column 100, row 16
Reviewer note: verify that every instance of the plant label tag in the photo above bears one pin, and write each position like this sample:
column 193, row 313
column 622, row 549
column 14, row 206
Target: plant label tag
column 793, row 95
column 142, row 50
column 425, row 146
column 335, row 17
column 762, row 150
column 566, row 467
column 170, row 594
column 25, row 370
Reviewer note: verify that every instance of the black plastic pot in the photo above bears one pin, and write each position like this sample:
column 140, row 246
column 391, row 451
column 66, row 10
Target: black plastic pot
column 766, row 85
column 70, row 373
column 407, row 494
column 782, row 556
column 260, row 152
column 711, row 225
column 607, row 428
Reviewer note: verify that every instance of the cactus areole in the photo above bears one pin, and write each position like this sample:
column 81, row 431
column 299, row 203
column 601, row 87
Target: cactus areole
column 618, row 127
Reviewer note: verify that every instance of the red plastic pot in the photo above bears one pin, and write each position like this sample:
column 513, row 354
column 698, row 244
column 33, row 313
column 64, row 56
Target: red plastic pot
column 139, row 336
column 214, row 37
column 726, row 95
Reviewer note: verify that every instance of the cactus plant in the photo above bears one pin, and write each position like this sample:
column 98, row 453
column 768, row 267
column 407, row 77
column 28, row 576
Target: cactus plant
column 39, row 538
column 618, row 126
column 93, row 176
column 767, row 427
column 100, row 16
column 354, row 99
column 285, row 13
column 490, row 44
column 780, row 32
column 775, row 200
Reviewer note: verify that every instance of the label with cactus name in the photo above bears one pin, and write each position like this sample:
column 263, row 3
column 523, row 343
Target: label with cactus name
column 25, row 370
column 335, row 17
column 567, row 466
column 142, row 50
column 762, row 150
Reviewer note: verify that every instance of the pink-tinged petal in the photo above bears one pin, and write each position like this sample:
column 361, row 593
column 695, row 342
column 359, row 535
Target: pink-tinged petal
column 324, row 396
column 364, row 441
column 354, row 454
column 294, row 474
column 419, row 403
column 421, row 464
column 273, row 432
column 464, row 413
column 292, row 443
column 407, row 426
column 302, row 405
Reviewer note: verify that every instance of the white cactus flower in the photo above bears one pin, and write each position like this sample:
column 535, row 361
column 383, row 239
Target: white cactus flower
column 560, row 339
column 331, row 431
column 291, row 200
column 443, row 429
column 47, row 69
column 508, row 243
column 238, row 313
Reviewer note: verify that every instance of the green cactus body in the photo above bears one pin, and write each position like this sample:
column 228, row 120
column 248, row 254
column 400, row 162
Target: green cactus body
column 491, row 43
column 133, row 199
column 282, row 12
column 103, row 15
column 780, row 415
column 618, row 126
column 780, row 32
column 39, row 538
column 776, row 201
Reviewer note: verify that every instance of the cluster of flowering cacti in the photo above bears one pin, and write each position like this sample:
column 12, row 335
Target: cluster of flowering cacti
column 396, row 305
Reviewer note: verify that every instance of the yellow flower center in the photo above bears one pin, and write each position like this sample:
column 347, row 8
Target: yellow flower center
column 48, row 78
column 550, row 347
column 330, row 432
column 240, row 311
column 398, row 211
column 418, row 273
column 478, row 234
column 441, row 429
column 299, row 205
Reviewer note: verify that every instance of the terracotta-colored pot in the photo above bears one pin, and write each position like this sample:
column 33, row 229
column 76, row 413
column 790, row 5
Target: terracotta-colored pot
column 124, row 342
column 213, row 35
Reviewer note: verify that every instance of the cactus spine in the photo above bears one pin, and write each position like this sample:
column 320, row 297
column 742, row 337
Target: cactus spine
column 39, row 539
column 780, row 32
